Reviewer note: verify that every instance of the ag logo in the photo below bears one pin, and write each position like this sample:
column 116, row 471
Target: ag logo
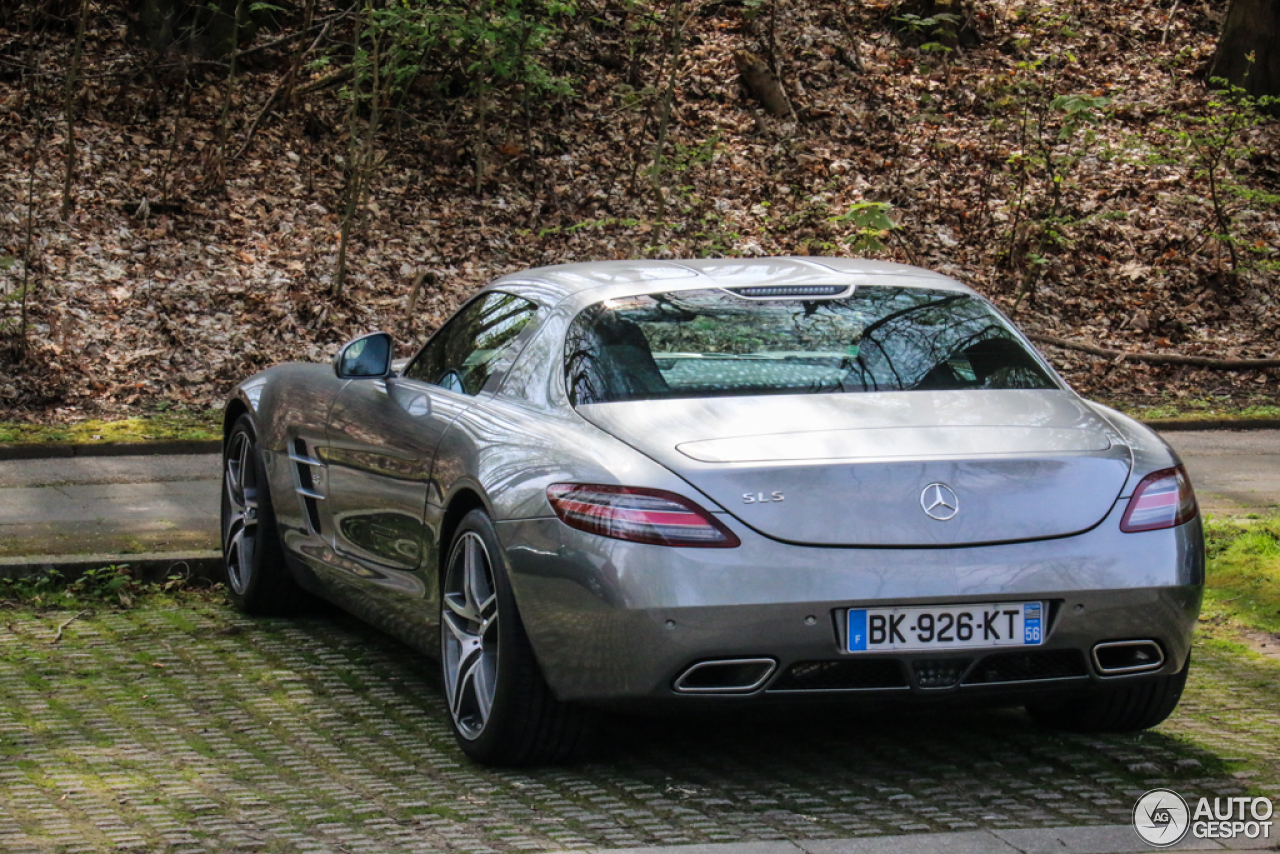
column 1161, row 817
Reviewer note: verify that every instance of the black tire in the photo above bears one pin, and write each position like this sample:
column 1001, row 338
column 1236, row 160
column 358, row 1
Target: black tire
column 257, row 578
column 1120, row 708
column 500, row 706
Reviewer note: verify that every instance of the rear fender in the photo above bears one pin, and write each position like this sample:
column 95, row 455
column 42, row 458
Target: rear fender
column 1150, row 452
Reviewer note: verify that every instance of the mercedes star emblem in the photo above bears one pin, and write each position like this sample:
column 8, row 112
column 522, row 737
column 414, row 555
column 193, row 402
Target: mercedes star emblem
column 939, row 502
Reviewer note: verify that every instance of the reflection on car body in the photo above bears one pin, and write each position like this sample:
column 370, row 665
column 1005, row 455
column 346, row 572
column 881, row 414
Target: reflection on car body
column 676, row 483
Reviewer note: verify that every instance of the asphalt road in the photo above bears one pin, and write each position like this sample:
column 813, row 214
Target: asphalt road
column 128, row 505
column 109, row 505
column 1233, row 471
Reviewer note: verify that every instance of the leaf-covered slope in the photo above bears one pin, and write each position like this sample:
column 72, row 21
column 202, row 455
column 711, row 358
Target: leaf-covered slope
column 1054, row 156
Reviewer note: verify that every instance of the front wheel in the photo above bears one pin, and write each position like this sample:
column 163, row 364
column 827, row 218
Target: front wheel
column 1121, row 708
column 501, row 708
column 258, row 581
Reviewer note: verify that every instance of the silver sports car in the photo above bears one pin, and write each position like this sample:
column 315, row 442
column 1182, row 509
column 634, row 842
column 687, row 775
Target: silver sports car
column 719, row 483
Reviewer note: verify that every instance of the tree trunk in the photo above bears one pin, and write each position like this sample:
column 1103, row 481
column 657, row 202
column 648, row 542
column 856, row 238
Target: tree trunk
column 664, row 119
column 1251, row 32
column 69, row 101
column 362, row 156
column 26, row 250
column 228, row 94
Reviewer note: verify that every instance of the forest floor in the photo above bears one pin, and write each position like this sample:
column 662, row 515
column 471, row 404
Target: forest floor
column 1056, row 157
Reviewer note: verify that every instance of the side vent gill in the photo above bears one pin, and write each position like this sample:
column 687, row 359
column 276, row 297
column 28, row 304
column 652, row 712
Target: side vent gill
column 306, row 485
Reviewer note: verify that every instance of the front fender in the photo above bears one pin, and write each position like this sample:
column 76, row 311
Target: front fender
column 284, row 400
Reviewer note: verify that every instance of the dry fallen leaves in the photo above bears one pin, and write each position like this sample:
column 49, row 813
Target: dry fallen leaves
column 158, row 290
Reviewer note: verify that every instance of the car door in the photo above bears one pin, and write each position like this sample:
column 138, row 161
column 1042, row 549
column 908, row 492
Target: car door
column 382, row 436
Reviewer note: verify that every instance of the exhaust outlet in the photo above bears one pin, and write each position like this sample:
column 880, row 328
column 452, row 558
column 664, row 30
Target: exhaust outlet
column 1118, row 658
column 725, row 676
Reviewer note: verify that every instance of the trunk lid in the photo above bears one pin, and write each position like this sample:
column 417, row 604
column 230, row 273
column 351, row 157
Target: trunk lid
column 861, row 469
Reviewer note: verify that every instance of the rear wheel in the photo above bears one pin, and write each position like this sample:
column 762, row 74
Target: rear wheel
column 258, row 581
column 502, row 710
column 1121, row 708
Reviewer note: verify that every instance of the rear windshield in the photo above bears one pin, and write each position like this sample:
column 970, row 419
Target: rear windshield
column 711, row 343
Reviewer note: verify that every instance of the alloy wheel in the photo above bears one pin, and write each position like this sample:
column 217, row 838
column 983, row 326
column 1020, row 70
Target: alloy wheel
column 240, row 522
column 469, row 636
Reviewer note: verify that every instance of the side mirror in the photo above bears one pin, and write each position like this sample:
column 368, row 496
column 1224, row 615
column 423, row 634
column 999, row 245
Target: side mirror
column 366, row 356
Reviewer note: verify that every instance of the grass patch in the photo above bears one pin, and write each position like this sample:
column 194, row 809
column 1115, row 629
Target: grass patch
column 1243, row 575
column 170, row 426
column 1195, row 409
column 104, row 588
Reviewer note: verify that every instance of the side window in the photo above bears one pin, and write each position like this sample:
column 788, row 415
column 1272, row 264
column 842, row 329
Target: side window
column 474, row 344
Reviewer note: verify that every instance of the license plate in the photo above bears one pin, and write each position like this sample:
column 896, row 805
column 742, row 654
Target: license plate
column 945, row 627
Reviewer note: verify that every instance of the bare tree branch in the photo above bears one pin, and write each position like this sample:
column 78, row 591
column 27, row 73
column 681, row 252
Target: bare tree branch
column 1159, row 358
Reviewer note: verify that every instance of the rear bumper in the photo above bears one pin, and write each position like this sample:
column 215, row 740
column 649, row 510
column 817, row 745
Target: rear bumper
column 611, row 620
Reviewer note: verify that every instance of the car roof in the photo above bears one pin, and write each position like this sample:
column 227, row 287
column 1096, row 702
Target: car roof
column 625, row 278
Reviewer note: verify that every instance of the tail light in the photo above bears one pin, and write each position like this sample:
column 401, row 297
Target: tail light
column 651, row 516
column 1162, row 500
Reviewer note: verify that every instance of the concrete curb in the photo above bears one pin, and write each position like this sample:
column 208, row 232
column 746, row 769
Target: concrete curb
column 52, row 450
column 153, row 566
column 1214, row 424
column 1103, row 839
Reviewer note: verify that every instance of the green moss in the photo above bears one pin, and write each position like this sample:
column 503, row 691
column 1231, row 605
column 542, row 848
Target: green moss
column 1196, row 409
column 1243, row 574
column 102, row 589
column 170, row 426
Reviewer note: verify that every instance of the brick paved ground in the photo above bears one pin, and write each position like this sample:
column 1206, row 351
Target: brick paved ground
column 200, row 730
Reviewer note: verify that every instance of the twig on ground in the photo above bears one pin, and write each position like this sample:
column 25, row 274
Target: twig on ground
column 333, row 79
column 324, row 24
column 427, row 278
column 1165, row 36
column 271, row 99
column 58, row 635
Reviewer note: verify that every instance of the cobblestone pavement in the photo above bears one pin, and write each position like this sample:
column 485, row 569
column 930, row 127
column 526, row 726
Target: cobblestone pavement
column 200, row 730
